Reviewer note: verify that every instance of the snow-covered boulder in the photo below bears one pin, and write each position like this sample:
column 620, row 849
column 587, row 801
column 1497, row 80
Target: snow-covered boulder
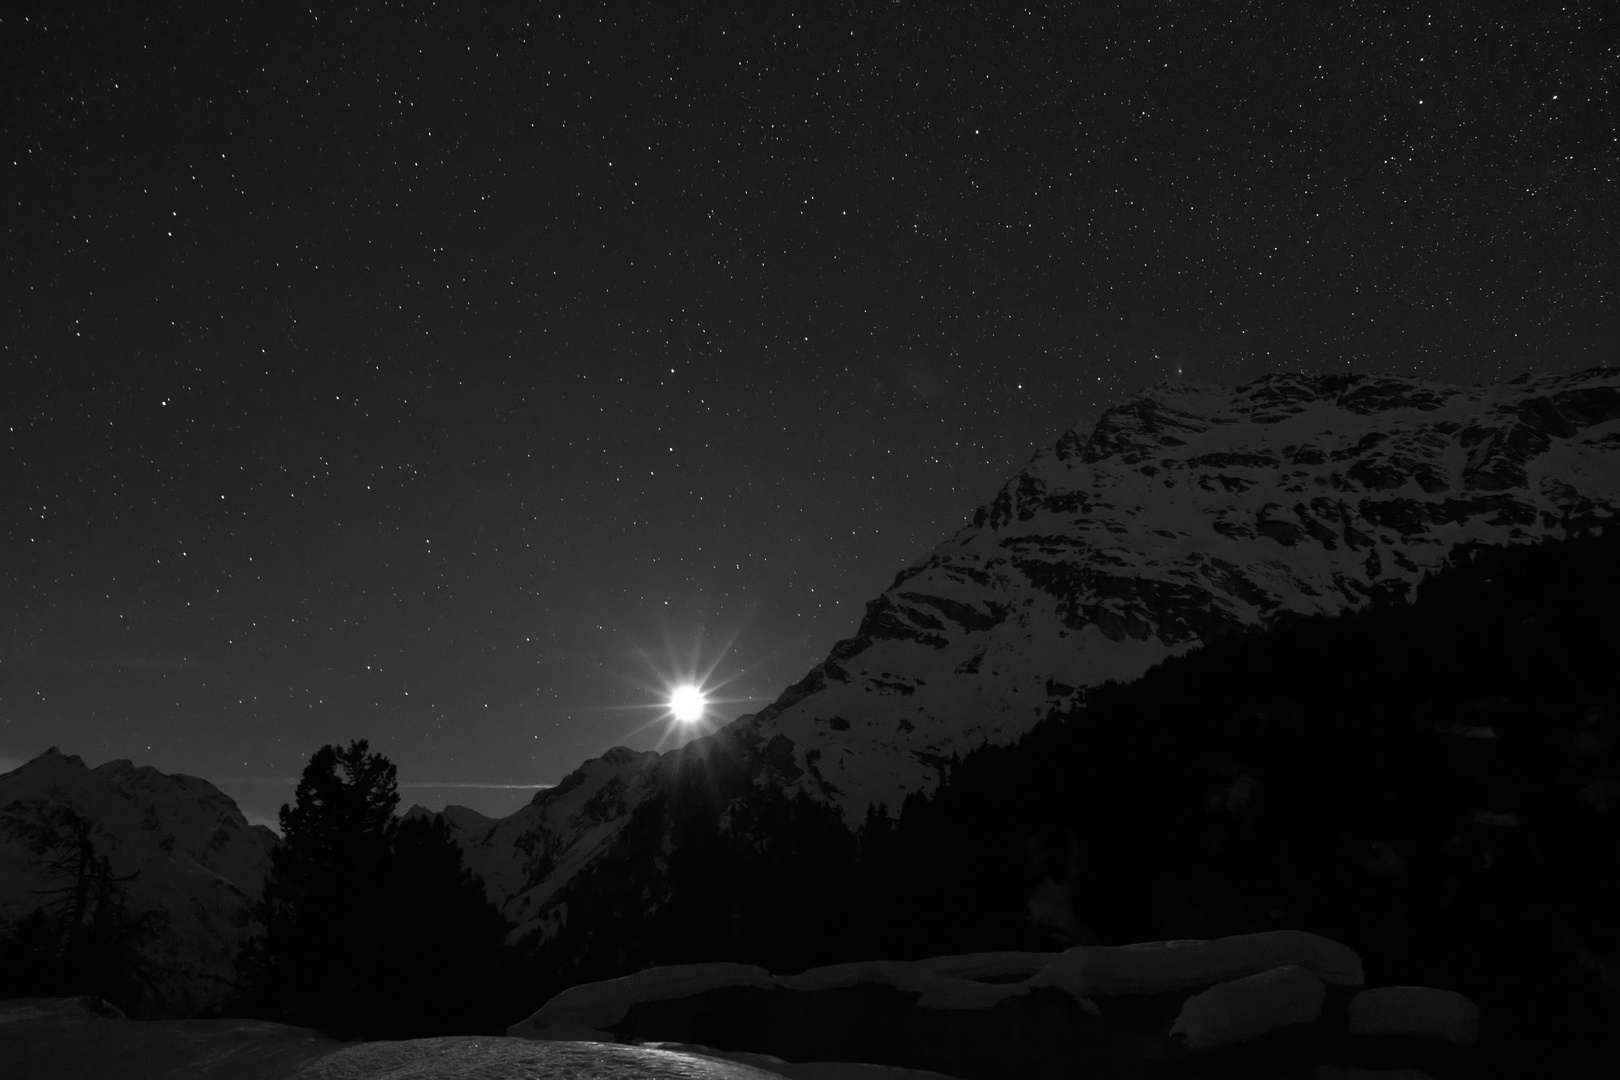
column 975, row 981
column 598, row 1006
column 992, row 967
column 1156, row 967
column 1415, row 1010
column 925, row 978
column 1262, row 1005
column 910, row 1014
column 1239, row 1010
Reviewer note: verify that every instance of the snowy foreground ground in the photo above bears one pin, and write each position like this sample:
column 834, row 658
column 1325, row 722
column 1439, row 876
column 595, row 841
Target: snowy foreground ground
column 61, row 1039
column 474, row 1058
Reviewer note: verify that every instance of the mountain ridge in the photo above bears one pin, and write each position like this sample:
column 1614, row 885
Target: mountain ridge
column 1186, row 513
column 194, row 855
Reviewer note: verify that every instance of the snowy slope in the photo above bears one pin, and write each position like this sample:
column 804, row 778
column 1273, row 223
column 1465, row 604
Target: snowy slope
column 526, row 857
column 1185, row 513
column 198, row 859
column 1188, row 512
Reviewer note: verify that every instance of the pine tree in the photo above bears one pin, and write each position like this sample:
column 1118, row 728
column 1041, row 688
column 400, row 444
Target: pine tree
column 308, row 967
column 372, row 926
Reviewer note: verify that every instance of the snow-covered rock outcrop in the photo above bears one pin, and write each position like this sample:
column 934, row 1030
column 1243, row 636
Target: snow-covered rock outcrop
column 1078, row 1012
column 1415, row 1010
column 1156, row 967
column 1243, row 1009
column 977, row 980
column 600, row 1006
column 195, row 859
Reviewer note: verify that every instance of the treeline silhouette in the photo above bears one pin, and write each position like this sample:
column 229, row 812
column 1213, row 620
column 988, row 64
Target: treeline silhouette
column 372, row 925
column 1433, row 784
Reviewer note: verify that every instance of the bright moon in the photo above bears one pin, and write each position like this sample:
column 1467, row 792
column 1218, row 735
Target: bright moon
column 687, row 703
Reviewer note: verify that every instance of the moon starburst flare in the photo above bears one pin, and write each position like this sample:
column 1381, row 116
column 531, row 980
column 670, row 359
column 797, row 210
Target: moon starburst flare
column 687, row 704
column 683, row 692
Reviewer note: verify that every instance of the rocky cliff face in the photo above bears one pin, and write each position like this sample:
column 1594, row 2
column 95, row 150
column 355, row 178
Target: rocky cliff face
column 194, row 856
column 1190, row 512
column 1187, row 513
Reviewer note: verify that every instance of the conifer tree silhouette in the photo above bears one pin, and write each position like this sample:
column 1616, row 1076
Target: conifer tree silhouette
column 371, row 925
column 308, row 968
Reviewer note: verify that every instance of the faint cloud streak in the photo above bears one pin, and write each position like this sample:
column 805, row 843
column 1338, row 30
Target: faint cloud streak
column 413, row 785
column 481, row 787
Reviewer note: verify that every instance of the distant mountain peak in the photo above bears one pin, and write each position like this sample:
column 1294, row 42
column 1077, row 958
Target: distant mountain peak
column 621, row 755
column 198, row 861
column 52, row 754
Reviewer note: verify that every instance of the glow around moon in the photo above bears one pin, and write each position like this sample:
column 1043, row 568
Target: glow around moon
column 686, row 704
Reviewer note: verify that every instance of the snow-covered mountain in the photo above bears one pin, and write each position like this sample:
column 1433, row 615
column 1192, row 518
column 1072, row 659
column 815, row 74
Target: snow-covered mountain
column 1183, row 514
column 1188, row 512
column 194, row 856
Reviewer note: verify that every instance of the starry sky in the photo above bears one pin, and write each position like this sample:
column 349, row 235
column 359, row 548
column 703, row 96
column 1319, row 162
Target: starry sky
column 456, row 376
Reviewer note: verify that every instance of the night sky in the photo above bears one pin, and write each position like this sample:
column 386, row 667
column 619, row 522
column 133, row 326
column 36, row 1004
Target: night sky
column 457, row 376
